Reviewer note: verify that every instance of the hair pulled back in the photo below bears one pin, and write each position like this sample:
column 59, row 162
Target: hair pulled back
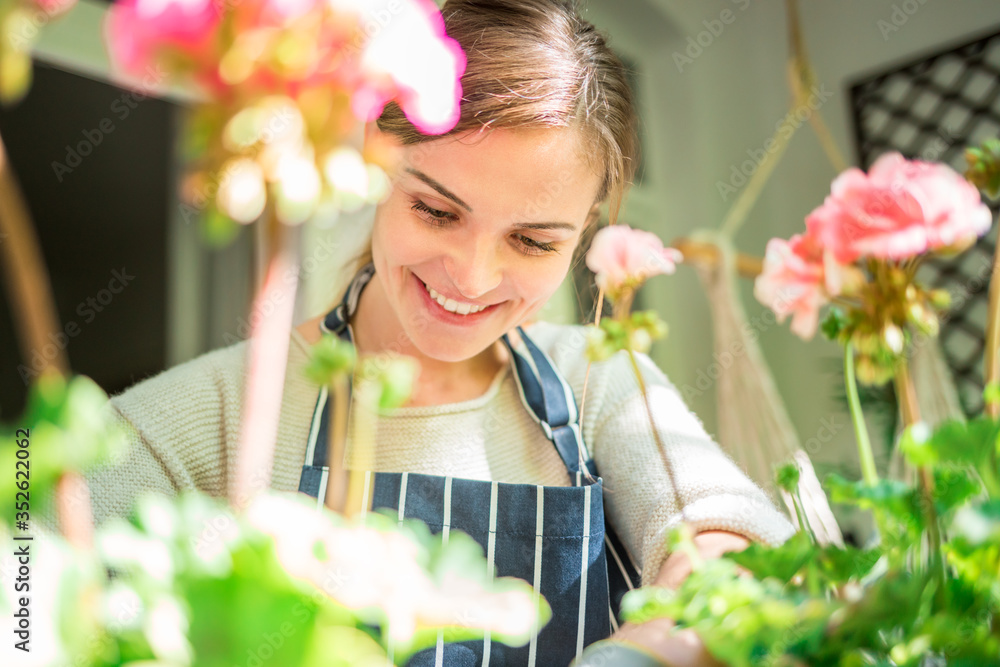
column 538, row 63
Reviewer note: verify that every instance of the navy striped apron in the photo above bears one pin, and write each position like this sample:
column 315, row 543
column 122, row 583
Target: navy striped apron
column 554, row 537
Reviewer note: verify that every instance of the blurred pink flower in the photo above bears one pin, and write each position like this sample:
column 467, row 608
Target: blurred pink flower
column 899, row 209
column 624, row 257
column 799, row 278
column 408, row 57
column 372, row 50
column 140, row 31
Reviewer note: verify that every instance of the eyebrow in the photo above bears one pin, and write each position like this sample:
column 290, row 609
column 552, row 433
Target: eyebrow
column 546, row 225
column 440, row 188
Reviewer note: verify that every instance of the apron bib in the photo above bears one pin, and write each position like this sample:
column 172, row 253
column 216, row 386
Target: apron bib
column 554, row 537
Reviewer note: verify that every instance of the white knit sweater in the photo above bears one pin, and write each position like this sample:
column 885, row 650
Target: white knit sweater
column 184, row 426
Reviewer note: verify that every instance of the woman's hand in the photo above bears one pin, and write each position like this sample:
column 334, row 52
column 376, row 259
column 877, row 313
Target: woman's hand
column 684, row 648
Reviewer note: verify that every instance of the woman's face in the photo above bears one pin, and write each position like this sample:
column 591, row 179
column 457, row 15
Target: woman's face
column 477, row 233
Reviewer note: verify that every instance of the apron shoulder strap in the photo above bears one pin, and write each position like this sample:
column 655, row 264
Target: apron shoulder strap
column 550, row 401
column 336, row 320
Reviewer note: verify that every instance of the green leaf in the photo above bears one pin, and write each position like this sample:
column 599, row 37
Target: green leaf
column 834, row 323
column 67, row 426
column 217, row 229
column 390, row 378
column 896, row 505
column 787, row 477
column 892, row 495
column 957, row 442
column 953, row 487
column 978, row 524
column 840, row 565
column 331, row 357
column 782, row 562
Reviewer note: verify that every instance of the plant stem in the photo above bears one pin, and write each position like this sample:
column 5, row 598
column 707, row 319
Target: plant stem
column 35, row 316
column 867, row 460
column 992, row 356
column 73, row 510
column 338, row 406
column 364, row 418
column 910, row 409
column 268, row 358
column 801, row 514
column 28, row 285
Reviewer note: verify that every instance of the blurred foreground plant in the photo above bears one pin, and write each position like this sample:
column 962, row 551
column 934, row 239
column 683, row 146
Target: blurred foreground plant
column 196, row 582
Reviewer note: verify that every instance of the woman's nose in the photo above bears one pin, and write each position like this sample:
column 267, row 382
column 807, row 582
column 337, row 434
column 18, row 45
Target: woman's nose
column 473, row 268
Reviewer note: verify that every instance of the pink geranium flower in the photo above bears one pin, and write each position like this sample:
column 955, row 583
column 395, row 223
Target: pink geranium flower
column 138, row 31
column 799, row 278
column 901, row 208
column 623, row 257
column 410, row 58
column 372, row 50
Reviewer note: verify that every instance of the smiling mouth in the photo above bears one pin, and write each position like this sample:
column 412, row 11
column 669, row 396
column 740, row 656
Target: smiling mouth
column 451, row 305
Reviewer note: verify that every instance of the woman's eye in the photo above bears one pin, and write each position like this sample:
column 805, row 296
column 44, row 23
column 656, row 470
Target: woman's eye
column 433, row 213
column 530, row 246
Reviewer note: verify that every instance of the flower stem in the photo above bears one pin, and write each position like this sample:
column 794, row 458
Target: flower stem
column 29, row 292
column 28, row 285
column 925, row 480
column 337, row 481
column 800, row 513
column 267, row 362
column 867, row 460
column 992, row 358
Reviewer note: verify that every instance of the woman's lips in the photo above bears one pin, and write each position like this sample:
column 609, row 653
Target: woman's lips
column 446, row 315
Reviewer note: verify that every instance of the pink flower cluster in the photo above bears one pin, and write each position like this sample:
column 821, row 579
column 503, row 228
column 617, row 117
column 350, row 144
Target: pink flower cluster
column 899, row 209
column 623, row 257
column 371, row 50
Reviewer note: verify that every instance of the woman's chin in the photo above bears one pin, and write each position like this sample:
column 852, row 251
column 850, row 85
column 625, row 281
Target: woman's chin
column 439, row 350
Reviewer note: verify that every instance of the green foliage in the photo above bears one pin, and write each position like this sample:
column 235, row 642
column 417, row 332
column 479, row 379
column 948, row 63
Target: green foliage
column 636, row 333
column 66, row 426
column 331, row 357
column 984, row 166
column 787, row 477
column 804, row 604
column 834, row 322
column 193, row 582
column 389, row 379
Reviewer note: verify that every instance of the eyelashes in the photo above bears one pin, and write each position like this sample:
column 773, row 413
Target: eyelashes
column 525, row 244
column 441, row 216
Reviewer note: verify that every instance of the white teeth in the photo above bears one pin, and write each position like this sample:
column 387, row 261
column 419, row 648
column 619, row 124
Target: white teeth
column 453, row 306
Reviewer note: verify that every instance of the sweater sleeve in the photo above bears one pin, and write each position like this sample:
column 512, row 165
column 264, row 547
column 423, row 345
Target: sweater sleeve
column 178, row 425
column 183, row 429
column 711, row 492
column 640, row 500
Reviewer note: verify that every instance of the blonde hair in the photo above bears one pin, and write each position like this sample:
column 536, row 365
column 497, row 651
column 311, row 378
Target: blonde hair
column 535, row 64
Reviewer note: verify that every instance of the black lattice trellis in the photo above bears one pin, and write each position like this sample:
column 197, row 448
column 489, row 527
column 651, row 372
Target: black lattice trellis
column 932, row 109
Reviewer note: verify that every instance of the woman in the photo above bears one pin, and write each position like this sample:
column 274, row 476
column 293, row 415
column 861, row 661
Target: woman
column 478, row 231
